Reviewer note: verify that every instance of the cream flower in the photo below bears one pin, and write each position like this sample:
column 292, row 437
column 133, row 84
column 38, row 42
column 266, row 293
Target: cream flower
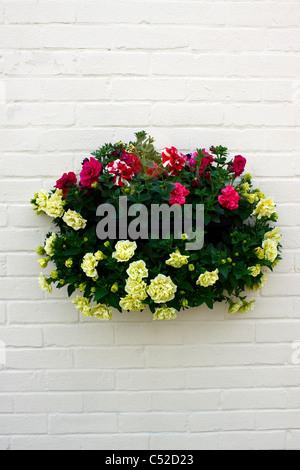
column 49, row 246
column 259, row 252
column 137, row 270
column 124, row 250
column 255, row 270
column 165, row 313
column 177, row 260
column 274, row 234
column 102, row 312
column 208, row 279
column 99, row 256
column 270, row 249
column 131, row 303
column 44, row 284
column 55, row 205
column 74, row 220
column 89, row 265
column 41, row 200
column 137, row 289
column 265, row 208
column 162, row 289
column 83, row 306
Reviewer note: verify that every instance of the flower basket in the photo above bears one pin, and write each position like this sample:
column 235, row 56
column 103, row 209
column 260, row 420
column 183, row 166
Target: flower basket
column 106, row 247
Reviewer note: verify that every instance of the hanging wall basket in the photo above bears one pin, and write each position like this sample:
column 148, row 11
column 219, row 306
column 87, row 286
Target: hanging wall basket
column 121, row 272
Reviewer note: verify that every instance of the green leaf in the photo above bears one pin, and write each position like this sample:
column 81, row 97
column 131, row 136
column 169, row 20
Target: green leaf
column 187, row 286
column 100, row 293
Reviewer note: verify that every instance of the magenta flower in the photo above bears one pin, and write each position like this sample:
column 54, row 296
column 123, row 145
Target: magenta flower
column 65, row 182
column 179, row 194
column 229, row 198
column 90, row 173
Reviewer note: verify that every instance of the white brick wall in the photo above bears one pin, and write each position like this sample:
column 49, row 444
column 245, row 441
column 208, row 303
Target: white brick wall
column 73, row 75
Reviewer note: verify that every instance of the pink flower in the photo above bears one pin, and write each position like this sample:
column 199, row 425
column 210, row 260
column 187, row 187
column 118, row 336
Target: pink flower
column 239, row 165
column 121, row 171
column 179, row 194
column 65, row 182
column 90, row 173
column 172, row 160
column 229, row 198
column 133, row 161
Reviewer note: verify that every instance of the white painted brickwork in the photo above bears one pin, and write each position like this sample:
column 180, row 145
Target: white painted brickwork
column 75, row 74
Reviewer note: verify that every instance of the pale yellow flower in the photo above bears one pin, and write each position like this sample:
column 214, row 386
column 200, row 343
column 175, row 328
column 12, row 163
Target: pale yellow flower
column 89, row 265
column 69, row 263
column 165, row 313
column 162, row 289
column 260, row 253
column 131, row 303
column 259, row 285
column 55, row 205
column 138, row 289
column 270, row 249
column 235, row 307
column 208, row 279
column 74, row 220
column 265, row 208
column 102, row 312
column 124, row 250
column 44, row 284
column 41, row 200
column 247, row 307
column 274, row 234
column 99, row 256
column 83, row 306
column 255, row 270
column 43, row 262
column 177, row 260
column 49, row 246
column 137, row 270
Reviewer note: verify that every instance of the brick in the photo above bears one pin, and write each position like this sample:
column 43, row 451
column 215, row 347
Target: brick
column 92, row 423
column 106, row 12
column 30, row 359
column 40, row 63
column 149, row 89
column 41, row 312
column 12, row 381
column 20, row 37
column 19, row 140
column 183, row 114
column 113, row 115
column 96, row 89
column 152, row 422
column 184, row 441
column 21, row 337
column 292, row 440
column 79, row 335
column 48, row 403
column 158, row 380
column 254, row 399
column 105, row 358
column 222, row 421
column 117, row 402
column 81, row 37
column 121, row 63
column 83, row 381
column 36, row 114
column 253, row 440
column 3, row 216
column 39, row 12
column 23, row 424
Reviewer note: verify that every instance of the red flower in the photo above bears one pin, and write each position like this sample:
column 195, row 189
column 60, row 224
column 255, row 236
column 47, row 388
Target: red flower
column 239, row 165
column 65, row 182
column 133, row 161
column 121, row 171
column 90, row 172
column 179, row 194
column 172, row 160
column 229, row 198
column 154, row 172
